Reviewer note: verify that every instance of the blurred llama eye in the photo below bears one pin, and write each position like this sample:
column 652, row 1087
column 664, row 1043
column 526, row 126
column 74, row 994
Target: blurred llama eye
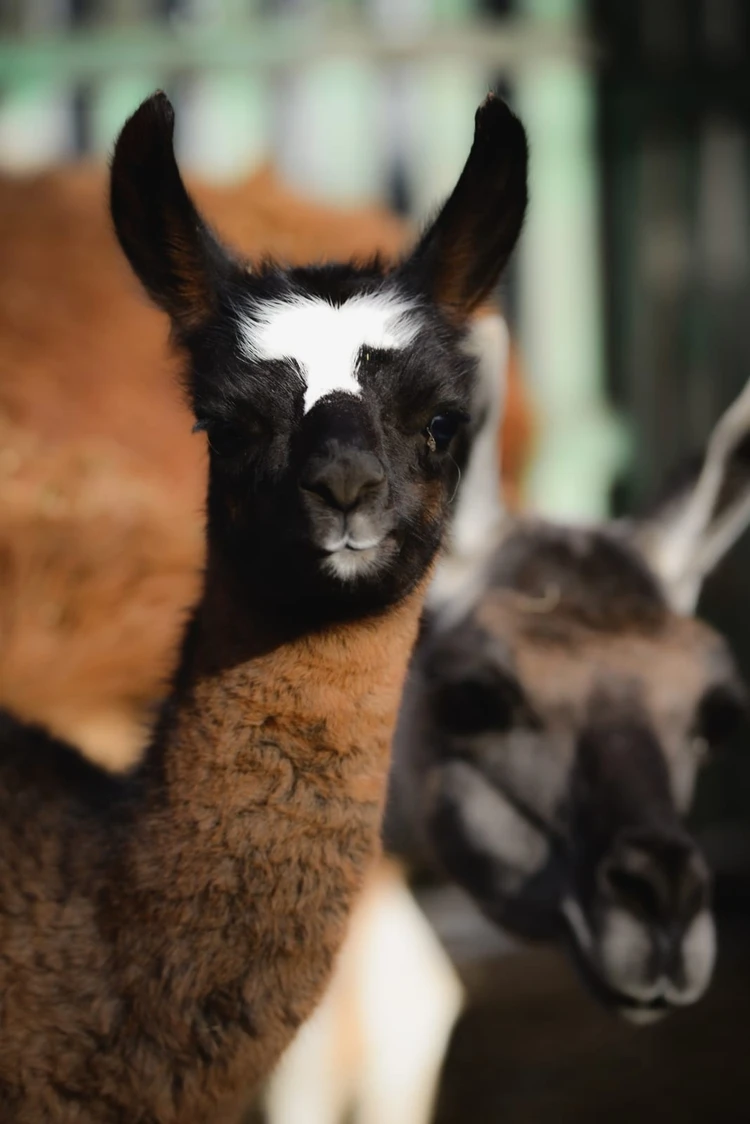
column 442, row 429
column 720, row 715
column 700, row 748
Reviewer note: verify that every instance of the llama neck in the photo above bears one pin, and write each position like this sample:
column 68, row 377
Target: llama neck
column 245, row 682
column 272, row 764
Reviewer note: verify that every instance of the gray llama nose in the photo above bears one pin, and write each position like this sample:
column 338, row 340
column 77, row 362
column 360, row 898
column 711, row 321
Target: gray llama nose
column 660, row 877
column 345, row 478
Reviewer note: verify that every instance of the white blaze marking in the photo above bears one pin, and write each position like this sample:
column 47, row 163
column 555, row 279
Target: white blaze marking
column 325, row 339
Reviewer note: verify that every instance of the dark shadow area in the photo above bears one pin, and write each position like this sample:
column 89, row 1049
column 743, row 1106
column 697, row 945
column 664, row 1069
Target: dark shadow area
column 532, row 1048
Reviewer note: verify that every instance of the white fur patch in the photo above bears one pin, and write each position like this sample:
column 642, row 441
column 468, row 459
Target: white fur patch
column 348, row 565
column 579, row 926
column 494, row 827
column 411, row 997
column 698, row 959
column 378, row 1039
column 325, row 339
column 624, row 953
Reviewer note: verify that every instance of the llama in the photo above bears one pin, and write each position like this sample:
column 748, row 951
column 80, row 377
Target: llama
column 536, row 761
column 101, row 481
column 553, row 733
column 165, row 933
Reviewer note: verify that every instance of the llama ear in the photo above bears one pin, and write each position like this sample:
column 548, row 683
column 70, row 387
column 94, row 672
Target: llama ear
column 460, row 257
column 478, row 517
column 171, row 250
column 688, row 534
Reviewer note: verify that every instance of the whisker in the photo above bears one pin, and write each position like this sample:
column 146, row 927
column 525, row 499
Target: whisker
column 458, row 480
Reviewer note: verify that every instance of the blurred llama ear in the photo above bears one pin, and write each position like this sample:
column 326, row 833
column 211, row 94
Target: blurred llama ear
column 689, row 533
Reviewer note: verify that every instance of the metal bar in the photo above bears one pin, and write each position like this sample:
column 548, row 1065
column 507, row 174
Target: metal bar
column 582, row 445
column 269, row 44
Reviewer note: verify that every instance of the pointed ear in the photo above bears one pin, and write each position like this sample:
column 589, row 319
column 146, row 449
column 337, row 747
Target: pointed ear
column 686, row 536
column 461, row 255
column 176, row 257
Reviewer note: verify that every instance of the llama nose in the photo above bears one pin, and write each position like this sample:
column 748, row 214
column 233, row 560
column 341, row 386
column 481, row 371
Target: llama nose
column 346, row 479
column 660, row 877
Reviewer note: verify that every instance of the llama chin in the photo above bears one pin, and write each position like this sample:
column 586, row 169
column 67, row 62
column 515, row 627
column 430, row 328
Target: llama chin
column 349, row 563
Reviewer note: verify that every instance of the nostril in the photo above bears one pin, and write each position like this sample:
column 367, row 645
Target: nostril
column 323, row 490
column 635, row 892
column 347, row 481
column 663, row 881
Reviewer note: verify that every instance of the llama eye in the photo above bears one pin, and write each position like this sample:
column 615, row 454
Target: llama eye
column 442, row 429
column 720, row 715
column 227, row 440
column 474, row 706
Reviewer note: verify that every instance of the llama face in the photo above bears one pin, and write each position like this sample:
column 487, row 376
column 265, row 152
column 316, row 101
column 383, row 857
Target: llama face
column 333, row 397
column 571, row 712
column 337, row 439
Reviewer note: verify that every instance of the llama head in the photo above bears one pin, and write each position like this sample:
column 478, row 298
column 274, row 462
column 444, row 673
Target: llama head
column 333, row 396
column 564, row 720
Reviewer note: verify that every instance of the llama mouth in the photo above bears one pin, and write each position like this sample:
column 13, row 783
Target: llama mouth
column 641, row 1014
column 350, row 564
column 351, row 560
column 348, row 544
column 639, row 1011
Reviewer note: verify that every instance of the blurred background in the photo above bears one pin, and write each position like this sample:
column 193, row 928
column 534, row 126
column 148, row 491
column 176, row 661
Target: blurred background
column 629, row 299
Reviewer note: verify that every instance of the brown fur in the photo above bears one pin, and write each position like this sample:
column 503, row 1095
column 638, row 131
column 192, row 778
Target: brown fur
column 96, row 567
column 101, row 481
column 270, row 772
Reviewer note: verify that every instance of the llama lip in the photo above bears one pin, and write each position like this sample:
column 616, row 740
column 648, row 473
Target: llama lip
column 640, row 1011
column 345, row 543
column 353, row 561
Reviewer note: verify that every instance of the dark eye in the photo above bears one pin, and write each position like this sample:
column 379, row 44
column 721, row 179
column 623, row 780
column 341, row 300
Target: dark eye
column 228, row 440
column 443, row 428
column 473, row 706
column 720, row 715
